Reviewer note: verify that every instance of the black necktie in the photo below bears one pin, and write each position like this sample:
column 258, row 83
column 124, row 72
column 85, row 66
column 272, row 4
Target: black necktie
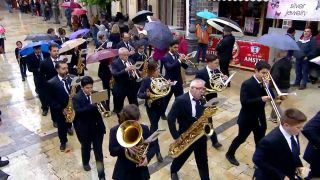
column 198, row 108
column 66, row 85
column 295, row 150
column 88, row 98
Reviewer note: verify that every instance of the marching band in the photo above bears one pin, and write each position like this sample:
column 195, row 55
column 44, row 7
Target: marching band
column 130, row 142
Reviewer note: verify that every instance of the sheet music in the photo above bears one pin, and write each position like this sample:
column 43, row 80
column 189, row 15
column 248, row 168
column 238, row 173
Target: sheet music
column 109, row 44
column 316, row 60
column 192, row 54
column 229, row 79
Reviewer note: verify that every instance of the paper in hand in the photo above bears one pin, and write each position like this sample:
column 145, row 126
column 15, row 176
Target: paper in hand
column 154, row 136
column 229, row 79
column 99, row 96
column 192, row 54
column 65, row 58
column 109, row 44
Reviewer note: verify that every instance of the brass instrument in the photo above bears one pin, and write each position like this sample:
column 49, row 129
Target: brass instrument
column 129, row 134
column 70, row 111
column 266, row 79
column 97, row 99
column 159, row 87
column 199, row 128
column 134, row 73
column 216, row 83
column 112, row 82
column 103, row 111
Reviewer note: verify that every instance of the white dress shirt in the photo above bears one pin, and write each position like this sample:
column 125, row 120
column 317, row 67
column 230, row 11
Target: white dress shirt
column 64, row 85
column 53, row 61
column 287, row 136
column 174, row 57
column 87, row 97
column 193, row 105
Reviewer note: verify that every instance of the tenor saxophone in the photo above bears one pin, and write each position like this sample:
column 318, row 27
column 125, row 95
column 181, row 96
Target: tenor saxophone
column 70, row 111
column 198, row 129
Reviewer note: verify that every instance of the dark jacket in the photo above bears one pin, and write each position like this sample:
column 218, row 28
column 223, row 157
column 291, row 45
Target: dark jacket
column 182, row 111
column 273, row 158
column 252, row 111
column 60, row 41
column 125, row 169
column 104, row 72
column 88, row 118
column 57, row 95
column 33, row 62
column 121, row 44
column 225, row 47
column 203, row 74
column 280, row 72
column 47, row 70
column 173, row 68
column 307, row 49
column 115, row 38
column 312, row 132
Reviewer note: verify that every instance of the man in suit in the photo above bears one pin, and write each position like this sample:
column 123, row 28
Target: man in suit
column 89, row 126
column 252, row 118
column 62, row 36
column 224, row 50
column 312, row 154
column 186, row 109
column 139, row 54
column 122, row 70
column 277, row 154
column 124, row 169
column 58, row 93
column 126, row 43
column 172, row 64
column 205, row 74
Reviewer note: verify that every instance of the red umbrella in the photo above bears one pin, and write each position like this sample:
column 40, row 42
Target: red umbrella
column 102, row 55
column 2, row 29
column 70, row 5
column 78, row 11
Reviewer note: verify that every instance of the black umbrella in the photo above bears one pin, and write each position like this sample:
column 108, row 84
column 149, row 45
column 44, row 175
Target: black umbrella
column 40, row 37
column 220, row 23
column 141, row 16
column 159, row 35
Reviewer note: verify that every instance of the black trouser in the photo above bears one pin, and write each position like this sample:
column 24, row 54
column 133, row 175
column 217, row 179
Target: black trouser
column 43, row 93
column 23, row 69
column 214, row 138
column 96, row 139
column 154, row 115
column 243, row 133
column 120, row 93
column 315, row 170
column 224, row 67
column 200, row 152
column 106, row 86
column 57, row 116
column 177, row 90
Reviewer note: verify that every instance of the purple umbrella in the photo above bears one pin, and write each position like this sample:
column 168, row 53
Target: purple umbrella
column 159, row 35
column 102, row 55
column 81, row 33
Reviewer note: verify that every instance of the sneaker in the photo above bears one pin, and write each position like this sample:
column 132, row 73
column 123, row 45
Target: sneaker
column 232, row 160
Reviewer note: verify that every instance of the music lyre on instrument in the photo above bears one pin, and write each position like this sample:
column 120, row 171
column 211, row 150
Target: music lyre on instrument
column 97, row 98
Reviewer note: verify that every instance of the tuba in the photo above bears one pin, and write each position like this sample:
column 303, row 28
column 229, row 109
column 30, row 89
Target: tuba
column 129, row 134
column 70, row 111
column 199, row 128
column 159, row 87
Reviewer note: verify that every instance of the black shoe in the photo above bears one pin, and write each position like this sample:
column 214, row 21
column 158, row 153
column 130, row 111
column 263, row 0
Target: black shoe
column 295, row 85
column 159, row 157
column 174, row 176
column 44, row 112
column 23, row 79
column 302, row 87
column 62, row 147
column 3, row 163
column 87, row 167
column 70, row 131
column 232, row 160
column 217, row 145
column 164, row 117
column 55, row 125
column 102, row 178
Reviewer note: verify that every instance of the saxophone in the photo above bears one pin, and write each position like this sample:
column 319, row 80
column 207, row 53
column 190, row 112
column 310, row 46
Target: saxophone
column 80, row 64
column 159, row 87
column 199, row 128
column 70, row 111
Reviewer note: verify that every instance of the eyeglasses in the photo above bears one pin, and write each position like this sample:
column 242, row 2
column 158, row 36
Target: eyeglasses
column 199, row 88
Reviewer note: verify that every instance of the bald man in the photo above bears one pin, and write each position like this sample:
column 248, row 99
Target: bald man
column 123, row 72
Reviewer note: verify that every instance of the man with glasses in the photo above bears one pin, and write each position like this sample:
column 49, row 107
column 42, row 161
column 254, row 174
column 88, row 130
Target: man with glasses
column 126, row 43
column 186, row 109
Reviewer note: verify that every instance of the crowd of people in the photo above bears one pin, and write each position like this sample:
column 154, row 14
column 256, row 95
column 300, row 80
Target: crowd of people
column 276, row 155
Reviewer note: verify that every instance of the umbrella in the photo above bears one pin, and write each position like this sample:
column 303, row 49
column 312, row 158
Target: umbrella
column 78, row 11
column 67, row 46
column 40, row 37
column 70, row 5
column 2, row 30
column 206, row 14
column 80, row 32
column 159, row 35
column 278, row 41
column 141, row 16
column 28, row 49
column 220, row 22
column 101, row 55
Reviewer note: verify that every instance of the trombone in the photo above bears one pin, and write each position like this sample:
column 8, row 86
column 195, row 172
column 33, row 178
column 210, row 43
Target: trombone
column 102, row 110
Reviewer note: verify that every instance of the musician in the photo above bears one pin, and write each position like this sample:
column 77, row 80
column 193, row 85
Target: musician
column 186, row 109
column 139, row 54
column 277, row 154
column 252, row 118
column 62, row 36
column 102, row 42
column 312, row 154
column 173, row 63
column 104, row 73
column 75, row 61
column 126, row 43
column 157, row 107
column 123, row 72
column 89, row 126
column 125, row 169
column 205, row 74
column 58, row 93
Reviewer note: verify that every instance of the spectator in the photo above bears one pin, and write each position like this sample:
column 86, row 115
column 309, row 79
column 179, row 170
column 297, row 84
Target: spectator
column 143, row 39
column 47, row 9
column 307, row 47
column 20, row 60
column 123, row 28
column 75, row 24
column 291, row 32
column 315, row 68
column 9, row 5
column 115, row 36
column 2, row 39
column 51, row 31
column 84, row 22
column 68, row 14
column 203, row 32
column 94, row 29
column 133, row 31
column 183, row 45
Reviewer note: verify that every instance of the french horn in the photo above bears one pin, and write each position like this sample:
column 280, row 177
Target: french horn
column 159, row 87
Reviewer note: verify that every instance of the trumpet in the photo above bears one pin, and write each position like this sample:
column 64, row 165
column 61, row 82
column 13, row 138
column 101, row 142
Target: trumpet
column 266, row 79
column 134, row 73
column 187, row 60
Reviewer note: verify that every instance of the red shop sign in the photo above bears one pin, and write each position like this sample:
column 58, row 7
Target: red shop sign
column 245, row 53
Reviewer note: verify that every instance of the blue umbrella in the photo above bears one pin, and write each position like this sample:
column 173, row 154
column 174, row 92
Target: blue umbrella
column 159, row 35
column 28, row 49
column 80, row 32
column 206, row 14
column 278, row 41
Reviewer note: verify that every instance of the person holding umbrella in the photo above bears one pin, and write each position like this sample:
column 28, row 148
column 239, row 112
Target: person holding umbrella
column 203, row 32
column 224, row 50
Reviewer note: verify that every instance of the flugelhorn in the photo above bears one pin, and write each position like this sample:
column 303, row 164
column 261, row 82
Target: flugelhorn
column 265, row 80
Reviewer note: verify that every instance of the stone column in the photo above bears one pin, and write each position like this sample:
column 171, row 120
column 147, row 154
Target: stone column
column 192, row 38
column 55, row 11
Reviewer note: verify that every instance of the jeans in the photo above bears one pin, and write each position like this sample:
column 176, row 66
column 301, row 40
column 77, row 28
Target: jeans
column 202, row 48
column 302, row 71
